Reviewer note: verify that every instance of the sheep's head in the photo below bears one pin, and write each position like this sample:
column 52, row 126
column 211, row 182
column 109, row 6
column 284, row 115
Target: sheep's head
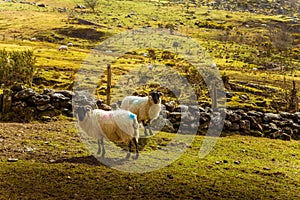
column 83, row 111
column 154, row 96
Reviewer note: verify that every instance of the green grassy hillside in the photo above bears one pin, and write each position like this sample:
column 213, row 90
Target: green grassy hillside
column 239, row 42
column 54, row 164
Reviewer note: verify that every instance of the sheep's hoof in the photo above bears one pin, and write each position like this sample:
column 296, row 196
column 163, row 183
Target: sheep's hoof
column 127, row 156
column 136, row 156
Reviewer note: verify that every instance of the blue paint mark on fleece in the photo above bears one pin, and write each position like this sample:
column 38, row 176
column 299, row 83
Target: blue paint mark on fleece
column 132, row 116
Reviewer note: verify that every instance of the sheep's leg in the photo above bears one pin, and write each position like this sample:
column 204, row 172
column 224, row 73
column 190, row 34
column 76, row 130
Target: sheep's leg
column 101, row 143
column 150, row 130
column 99, row 146
column 103, row 150
column 145, row 128
column 129, row 150
column 136, row 148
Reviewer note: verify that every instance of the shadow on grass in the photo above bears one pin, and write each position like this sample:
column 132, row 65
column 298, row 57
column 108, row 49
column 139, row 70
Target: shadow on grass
column 91, row 160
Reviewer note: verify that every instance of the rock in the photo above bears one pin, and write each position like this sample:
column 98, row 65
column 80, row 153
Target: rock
column 271, row 116
column 24, row 94
column 170, row 176
column 276, row 134
column 227, row 124
column 17, row 88
column 234, row 127
column 59, row 97
column 244, row 97
column 18, row 106
column 45, row 107
column 12, row 160
column 105, row 107
column 255, row 124
column 181, row 108
column 285, row 136
column 245, row 125
column 233, row 117
column 237, row 162
column 170, row 106
column 41, row 99
column 46, row 119
column 66, row 93
column 228, row 95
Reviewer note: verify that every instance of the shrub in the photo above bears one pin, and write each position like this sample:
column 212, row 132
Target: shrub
column 16, row 67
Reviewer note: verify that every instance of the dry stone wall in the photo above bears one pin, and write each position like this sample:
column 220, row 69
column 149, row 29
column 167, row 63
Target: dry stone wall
column 21, row 104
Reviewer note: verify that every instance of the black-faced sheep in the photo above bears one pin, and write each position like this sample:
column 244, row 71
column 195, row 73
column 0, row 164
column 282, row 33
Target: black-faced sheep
column 118, row 125
column 146, row 108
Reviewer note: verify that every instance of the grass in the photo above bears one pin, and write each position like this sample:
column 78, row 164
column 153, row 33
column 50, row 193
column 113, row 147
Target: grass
column 61, row 167
column 54, row 163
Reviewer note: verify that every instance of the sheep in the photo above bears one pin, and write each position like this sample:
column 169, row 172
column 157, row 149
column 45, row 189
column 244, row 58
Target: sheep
column 118, row 125
column 146, row 108
column 70, row 44
column 63, row 47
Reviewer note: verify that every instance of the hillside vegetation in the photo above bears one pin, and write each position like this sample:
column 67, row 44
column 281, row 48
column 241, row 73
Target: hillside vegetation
column 255, row 45
column 247, row 43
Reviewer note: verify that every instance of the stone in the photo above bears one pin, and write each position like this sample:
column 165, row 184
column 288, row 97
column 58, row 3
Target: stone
column 41, row 99
column 204, row 117
column 286, row 136
column 170, row 176
column 45, row 107
column 12, row 160
column 24, row 94
column 181, row 108
column 233, row 117
column 234, row 127
column 18, row 106
column 245, row 125
column 17, row 88
column 105, row 107
column 66, row 93
column 271, row 116
column 237, row 162
column 59, row 97
column 244, row 97
column 170, row 106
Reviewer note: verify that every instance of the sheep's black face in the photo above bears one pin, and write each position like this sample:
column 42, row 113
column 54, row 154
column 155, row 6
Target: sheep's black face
column 81, row 112
column 155, row 96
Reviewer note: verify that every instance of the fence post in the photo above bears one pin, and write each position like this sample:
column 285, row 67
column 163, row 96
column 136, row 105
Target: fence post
column 6, row 101
column 108, row 84
column 214, row 97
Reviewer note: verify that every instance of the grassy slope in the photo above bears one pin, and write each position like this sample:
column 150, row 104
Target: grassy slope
column 60, row 167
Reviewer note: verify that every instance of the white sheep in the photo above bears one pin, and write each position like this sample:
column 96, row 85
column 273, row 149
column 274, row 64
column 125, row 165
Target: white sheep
column 117, row 125
column 63, row 48
column 146, row 108
column 70, row 44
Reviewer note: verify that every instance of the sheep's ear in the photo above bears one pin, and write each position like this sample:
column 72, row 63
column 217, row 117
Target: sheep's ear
column 88, row 108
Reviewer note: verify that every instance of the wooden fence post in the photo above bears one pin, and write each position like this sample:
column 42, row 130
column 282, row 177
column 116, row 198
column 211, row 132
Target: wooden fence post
column 108, row 84
column 6, row 101
column 214, row 97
